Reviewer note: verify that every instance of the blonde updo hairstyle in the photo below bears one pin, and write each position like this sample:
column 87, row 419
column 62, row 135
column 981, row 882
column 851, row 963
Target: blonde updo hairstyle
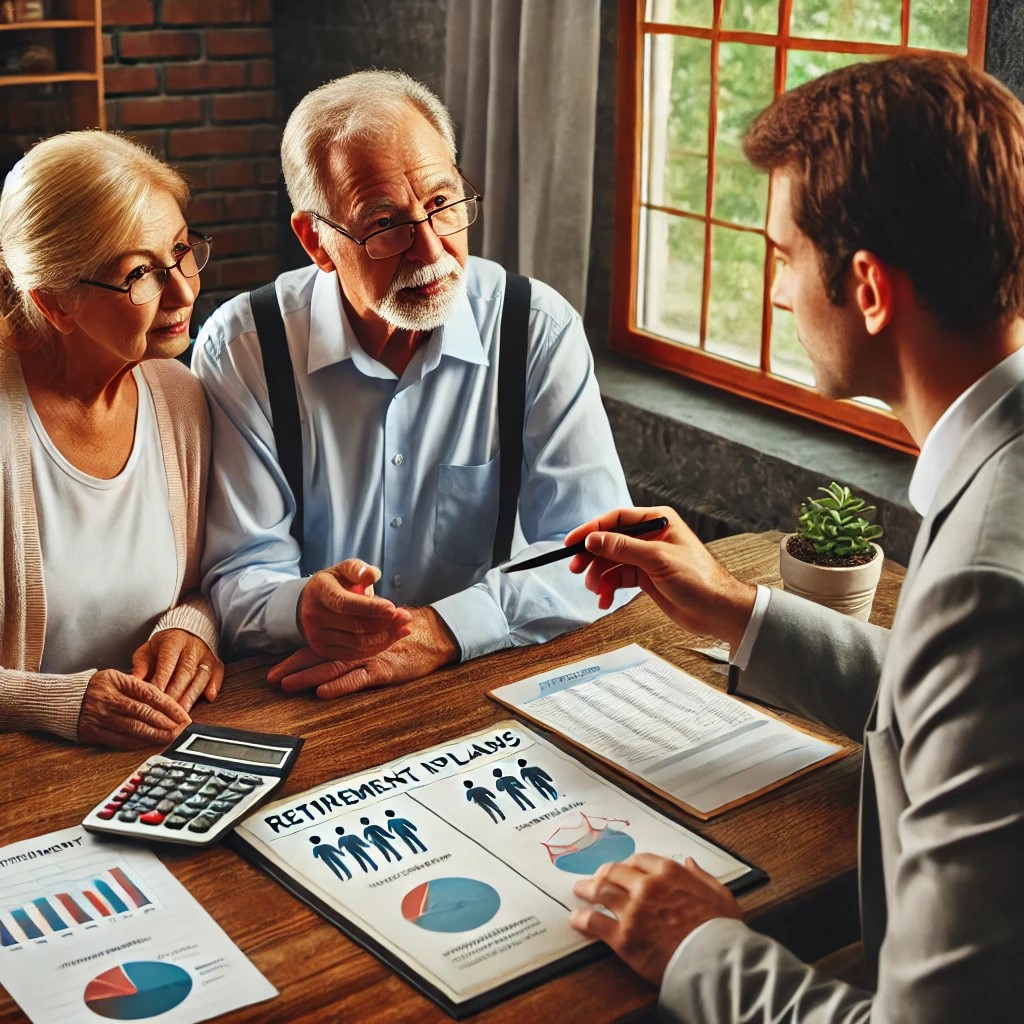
column 72, row 205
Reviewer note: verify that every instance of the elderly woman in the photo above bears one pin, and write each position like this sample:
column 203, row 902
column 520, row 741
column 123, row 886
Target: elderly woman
column 103, row 448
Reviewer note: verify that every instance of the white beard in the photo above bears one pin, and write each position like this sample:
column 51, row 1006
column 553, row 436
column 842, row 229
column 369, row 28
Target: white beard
column 423, row 314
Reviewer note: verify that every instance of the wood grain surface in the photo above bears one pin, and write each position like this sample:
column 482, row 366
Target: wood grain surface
column 803, row 835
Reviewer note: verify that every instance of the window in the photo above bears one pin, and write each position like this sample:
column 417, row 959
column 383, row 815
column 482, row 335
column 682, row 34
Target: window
column 693, row 274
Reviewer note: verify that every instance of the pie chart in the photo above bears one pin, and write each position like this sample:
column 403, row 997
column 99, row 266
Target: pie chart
column 138, row 990
column 451, row 904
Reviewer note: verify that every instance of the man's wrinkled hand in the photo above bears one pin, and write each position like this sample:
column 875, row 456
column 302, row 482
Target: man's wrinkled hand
column 341, row 621
column 428, row 645
column 181, row 665
column 657, row 902
column 123, row 711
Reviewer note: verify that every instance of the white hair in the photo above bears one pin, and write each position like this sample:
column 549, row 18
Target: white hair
column 365, row 107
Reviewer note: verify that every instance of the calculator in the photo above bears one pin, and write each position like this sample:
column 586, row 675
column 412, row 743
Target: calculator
column 203, row 783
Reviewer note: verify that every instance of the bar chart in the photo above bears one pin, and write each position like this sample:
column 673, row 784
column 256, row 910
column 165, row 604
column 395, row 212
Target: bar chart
column 109, row 893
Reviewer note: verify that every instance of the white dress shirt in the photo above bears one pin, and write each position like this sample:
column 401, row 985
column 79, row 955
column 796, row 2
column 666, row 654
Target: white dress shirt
column 402, row 472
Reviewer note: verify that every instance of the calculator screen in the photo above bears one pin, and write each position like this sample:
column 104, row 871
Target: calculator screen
column 236, row 751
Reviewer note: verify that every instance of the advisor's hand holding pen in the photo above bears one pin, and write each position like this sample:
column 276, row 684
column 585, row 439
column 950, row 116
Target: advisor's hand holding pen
column 671, row 565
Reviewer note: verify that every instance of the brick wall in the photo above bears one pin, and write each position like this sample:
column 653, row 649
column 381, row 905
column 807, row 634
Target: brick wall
column 194, row 81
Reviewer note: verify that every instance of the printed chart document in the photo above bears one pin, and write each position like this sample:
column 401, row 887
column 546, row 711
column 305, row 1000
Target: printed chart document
column 93, row 929
column 455, row 864
column 688, row 741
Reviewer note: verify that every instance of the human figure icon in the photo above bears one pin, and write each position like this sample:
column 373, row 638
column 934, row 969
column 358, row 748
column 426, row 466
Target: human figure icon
column 355, row 846
column 538, row 778
column 331, row 856
column 483, row 797
column 405, row 829
column 515, row 789
column 379, row 837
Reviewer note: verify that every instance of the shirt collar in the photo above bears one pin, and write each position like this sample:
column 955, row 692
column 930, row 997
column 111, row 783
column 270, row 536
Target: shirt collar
column 946, row 438
column 332, row 339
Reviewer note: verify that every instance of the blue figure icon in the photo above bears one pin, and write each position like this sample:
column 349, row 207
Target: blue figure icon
column 538, row 778
column 331, row 856
column 355, row 846
column 405, row 829
column 483, row 797
column 514, row 788
column 379, row 837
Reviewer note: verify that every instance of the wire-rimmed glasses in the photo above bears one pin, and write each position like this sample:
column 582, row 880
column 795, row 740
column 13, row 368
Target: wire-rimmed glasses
column 145, row 284
column 449, row 219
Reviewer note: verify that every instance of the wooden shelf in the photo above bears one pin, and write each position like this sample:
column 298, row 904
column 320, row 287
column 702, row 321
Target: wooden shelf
column 33, row 26
column 49, row 78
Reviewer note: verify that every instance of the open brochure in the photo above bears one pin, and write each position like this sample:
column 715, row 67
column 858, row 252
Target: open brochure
column 92, row 929
column 688, row 741
column 455, row 865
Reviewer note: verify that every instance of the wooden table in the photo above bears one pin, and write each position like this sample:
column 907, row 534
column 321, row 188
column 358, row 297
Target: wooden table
column 803, row 836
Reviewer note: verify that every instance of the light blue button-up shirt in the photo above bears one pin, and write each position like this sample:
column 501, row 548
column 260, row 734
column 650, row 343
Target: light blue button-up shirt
column 402, row 472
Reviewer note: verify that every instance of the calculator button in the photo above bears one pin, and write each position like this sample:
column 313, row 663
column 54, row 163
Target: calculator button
column 134, row 780
column 197, row 777
column 105, row 814
column 127, row 814
column 166, row 806
column 114, row 805
column 158, row 792
column 152, row 818
column 253, row 780
column 202, row 824
column 157, row 772
column 231, row 796
column 221, row 806
column 198, row 801
column 209, row 792
column 176, row 773
column 226, row 776
column 146, row 802
column 176, row 821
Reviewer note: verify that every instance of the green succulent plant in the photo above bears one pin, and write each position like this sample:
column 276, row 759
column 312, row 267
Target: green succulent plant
column 835, row 523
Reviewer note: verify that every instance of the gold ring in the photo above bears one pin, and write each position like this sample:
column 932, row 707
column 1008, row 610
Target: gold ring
column 202, row 667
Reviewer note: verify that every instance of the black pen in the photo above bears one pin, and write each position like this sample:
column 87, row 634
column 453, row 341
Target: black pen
column 633, row 530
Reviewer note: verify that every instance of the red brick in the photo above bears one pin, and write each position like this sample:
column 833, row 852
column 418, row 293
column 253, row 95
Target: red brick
column 159, row 110
column 239, row 42
column 110, row 113
column 249, row 205
column 108, row 46
column 202, row 77
column 234, row 173
column 261, row 73
column 198, row 175
column 242, row 273
column 251, row 106
column 206, row 209
column 119, row 79
column 216, row 12
column 158, row 44
column 152, row 140
column 269, row 172
column 127, row 12
column 187, row 142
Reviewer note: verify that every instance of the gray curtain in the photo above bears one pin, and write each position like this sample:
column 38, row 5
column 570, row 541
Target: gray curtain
column 521, row 83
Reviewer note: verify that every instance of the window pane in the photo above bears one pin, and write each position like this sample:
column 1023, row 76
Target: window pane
column 746, row 83
column 751, row 16
column 862, row 21
column 803, row 65
column 671, row 276
column 940, row 24
column 694, row 13
column 676, row 103
column 788, row 357
column 737, row 288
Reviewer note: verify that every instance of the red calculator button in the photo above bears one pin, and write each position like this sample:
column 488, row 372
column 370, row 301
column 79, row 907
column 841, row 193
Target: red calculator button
column 127, row 790
column 114, row 805
column 105, row 813
column 151, row 818
column 135, row 779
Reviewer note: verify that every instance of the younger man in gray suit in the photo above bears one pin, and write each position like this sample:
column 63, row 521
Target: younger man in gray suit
column 897, row 215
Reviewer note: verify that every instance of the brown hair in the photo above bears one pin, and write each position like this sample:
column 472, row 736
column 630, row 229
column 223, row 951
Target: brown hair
column 69, row 207
column 919, row 160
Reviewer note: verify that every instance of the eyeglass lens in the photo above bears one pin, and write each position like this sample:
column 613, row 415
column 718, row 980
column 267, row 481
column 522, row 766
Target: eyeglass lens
column 449, row 220
column 151, row 284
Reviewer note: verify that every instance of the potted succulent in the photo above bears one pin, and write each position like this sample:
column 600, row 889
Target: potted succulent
column 833, row 558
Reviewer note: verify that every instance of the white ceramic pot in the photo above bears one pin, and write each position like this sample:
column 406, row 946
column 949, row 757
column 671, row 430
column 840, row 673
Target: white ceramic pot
column 848, row 589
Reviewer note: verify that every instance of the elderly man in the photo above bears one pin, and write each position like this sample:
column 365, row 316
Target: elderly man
column 393, row 336
column 897, row 215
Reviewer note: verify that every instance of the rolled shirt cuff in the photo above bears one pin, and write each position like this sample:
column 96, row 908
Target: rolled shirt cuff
column 478, row 624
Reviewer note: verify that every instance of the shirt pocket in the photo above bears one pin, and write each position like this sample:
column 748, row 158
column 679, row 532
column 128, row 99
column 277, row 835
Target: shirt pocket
column 467, row 512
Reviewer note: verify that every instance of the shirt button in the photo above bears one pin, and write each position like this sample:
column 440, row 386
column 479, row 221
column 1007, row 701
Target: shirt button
column 397, row 521
column 398, row 459
column 396, row 580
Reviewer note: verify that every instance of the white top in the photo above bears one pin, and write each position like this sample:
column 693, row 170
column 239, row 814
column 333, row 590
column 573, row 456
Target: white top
column 109, row 566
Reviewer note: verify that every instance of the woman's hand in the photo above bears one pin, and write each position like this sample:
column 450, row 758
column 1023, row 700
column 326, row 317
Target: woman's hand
column 181, row 665
column 123, row 711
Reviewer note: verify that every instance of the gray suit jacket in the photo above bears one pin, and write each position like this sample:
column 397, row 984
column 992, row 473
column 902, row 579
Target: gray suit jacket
column 942, row 801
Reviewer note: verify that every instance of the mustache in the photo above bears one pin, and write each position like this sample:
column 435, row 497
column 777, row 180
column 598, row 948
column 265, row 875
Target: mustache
column 446, row 266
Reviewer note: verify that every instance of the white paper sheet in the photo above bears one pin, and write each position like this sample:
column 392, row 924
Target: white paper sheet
column 94, row 929
column 666, row 728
